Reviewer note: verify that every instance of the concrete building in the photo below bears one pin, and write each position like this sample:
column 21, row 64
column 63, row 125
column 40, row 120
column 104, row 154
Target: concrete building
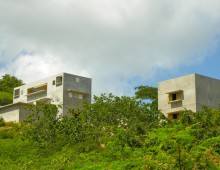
column 63, row 89
column 188, row 92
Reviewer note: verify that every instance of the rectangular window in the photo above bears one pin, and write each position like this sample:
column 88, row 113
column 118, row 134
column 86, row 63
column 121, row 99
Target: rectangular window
column 77, row 95
column 59, row 80
column 70, row 94
column 53, row 82
column 77, row 79
column 17, row 93
column 80, row 96
column 175, row 116
column 37, row 89
column 175, row 96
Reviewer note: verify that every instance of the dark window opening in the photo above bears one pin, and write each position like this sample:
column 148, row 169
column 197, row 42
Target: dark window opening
column 174, row 96
column 175, row 116
column 54, row 82
column 17, row 93
column 59, row 80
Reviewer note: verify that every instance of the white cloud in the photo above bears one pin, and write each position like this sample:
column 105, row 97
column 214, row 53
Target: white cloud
column 109, row 40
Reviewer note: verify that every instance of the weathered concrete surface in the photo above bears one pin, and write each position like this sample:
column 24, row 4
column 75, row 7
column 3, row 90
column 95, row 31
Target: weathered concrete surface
column 14, row 112
column 197, row 90
column 63, row 89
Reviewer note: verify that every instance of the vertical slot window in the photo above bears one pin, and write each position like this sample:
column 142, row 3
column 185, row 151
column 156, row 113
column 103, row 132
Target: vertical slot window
column 175, row 116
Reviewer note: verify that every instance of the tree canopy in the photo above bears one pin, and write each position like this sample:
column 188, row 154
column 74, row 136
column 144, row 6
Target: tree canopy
column 113, row 133
column 7, row 85
column 9, row 82
column 148, row 93
column 125, row 133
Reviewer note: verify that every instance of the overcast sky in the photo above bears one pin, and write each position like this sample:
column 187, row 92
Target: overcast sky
column 120, row 44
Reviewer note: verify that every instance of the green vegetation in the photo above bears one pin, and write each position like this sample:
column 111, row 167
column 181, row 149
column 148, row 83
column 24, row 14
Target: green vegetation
column 2, row 122
column 112, row 133
column 7, row 84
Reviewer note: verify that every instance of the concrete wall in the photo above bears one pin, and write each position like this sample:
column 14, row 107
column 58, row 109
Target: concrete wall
column 54, row 92
column 188, row 97
column 197, row 91
column 14, row 112
column 76, row 90
column 69, row 94
column 207, row 92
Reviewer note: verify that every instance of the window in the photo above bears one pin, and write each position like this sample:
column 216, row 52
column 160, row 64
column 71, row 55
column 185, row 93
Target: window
column 70, row 94
column 59, row 80
column 175, row 116
column 175, row 96
column 17, row 93
column 77, row 94
column 77, row 79
column 37, row 89
column 80, row 96
column 53, row 82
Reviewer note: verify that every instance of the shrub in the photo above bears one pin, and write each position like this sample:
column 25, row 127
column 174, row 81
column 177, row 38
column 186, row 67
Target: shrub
column 2, row 122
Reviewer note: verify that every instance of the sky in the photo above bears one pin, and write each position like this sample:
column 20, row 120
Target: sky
column 119, row 44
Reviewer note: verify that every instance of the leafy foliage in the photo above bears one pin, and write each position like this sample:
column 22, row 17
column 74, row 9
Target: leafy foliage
column 41, row 125
column 148, row 93
column 2, row 122
column 7, row 84
column 113, row 133
column 5, row 98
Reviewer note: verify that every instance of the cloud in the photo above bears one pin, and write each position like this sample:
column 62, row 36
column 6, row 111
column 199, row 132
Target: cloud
column 117, row 43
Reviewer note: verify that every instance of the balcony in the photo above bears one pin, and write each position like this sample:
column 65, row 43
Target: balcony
column 37, row 92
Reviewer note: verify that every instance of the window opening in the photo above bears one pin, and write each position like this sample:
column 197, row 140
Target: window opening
column 37, row 89
column 175, row 116
column 17, row 93
column 174, row 96
column 59, row 80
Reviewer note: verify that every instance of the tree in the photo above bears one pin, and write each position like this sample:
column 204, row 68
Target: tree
column 5, row 98
column 148, row 93
column 7, row 85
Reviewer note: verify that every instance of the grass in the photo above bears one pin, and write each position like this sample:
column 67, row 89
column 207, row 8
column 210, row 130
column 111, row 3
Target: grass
column 16, row 153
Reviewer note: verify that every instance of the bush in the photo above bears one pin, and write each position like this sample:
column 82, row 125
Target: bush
column 5, row 98
column 2, row 122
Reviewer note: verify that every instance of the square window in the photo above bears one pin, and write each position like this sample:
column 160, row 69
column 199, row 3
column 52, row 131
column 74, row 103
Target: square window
column 175, row 116
column 175, row 96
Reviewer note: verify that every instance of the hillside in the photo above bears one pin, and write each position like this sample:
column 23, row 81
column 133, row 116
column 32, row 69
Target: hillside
column 112, row 133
